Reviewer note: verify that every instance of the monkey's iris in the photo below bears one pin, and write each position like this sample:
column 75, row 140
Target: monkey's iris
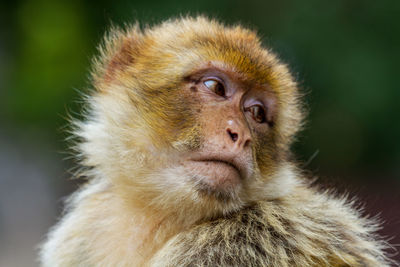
column 215, row 86
column 257, row 112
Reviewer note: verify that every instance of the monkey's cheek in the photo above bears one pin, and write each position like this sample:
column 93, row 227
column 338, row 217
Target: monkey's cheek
column 217, row 176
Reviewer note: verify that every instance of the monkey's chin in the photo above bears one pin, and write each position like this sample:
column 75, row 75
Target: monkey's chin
column 215, row 178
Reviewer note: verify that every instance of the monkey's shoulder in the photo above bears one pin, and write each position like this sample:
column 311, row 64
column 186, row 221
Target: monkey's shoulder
column 305, row 229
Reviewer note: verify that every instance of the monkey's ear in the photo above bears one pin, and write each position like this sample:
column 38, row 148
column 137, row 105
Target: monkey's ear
column 118, row 52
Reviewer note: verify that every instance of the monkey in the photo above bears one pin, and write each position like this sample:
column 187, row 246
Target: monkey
column 186, row 150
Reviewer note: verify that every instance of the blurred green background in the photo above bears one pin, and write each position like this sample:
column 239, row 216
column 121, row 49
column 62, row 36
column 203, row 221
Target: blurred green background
column 344, row 53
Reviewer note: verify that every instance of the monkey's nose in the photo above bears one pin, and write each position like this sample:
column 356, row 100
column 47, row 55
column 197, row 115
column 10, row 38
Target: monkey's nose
column 239, row 136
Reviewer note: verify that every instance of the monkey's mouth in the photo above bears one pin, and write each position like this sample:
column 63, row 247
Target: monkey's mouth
column 221, row 162
column 218, row 174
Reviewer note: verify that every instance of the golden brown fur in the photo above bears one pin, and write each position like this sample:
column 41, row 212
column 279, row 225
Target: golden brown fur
column 141, row 208
column 305, row 229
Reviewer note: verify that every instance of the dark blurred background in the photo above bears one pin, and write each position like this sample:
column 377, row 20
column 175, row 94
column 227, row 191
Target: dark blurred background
column 344, row 53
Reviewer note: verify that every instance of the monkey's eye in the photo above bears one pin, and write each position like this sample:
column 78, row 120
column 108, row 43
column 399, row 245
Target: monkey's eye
column 257, row 112
column 215, row 86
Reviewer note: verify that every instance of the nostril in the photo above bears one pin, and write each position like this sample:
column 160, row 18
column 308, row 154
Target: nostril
column 246, row 143
column 234, row 136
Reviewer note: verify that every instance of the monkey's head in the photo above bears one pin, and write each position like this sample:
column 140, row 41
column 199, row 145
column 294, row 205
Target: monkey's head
column 191, row 114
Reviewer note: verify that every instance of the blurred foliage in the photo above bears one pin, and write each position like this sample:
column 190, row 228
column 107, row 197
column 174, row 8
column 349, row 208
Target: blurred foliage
column 345, row 54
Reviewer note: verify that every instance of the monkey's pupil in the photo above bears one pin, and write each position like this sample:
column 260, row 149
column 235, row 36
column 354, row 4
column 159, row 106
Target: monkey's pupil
column 219, row 89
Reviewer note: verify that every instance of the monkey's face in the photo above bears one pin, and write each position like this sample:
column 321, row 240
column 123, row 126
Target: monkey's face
column 217, row 146
column 235, row 122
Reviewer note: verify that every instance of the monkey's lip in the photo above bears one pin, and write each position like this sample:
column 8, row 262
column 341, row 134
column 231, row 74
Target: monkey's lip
column 231, row 163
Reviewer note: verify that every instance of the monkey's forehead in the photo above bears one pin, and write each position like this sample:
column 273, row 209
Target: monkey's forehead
column 182, row 46
column 176, row 48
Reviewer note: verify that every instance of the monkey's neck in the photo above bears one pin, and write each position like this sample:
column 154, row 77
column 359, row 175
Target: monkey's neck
column 151, row 229
column 141, row 228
